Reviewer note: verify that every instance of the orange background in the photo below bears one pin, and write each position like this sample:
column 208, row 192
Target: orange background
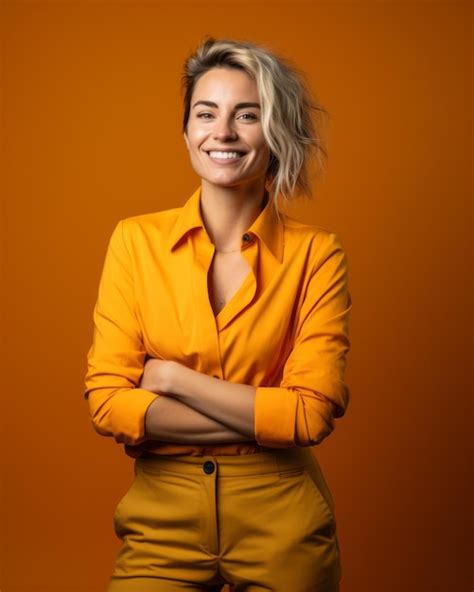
column 91, row 116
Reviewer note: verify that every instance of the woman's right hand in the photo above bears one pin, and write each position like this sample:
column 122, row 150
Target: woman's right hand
column 156, row 376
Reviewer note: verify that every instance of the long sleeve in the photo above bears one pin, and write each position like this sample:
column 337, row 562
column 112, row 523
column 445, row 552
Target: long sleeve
column 116, row 357
column 312, row 392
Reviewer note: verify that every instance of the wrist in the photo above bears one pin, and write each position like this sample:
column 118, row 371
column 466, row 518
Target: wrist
column 180, row 379
column 173, row 372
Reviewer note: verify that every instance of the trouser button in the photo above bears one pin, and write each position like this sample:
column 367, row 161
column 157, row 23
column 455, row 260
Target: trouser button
column 208, row 467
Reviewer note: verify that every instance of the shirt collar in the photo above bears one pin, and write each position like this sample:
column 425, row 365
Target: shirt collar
column 266, row 226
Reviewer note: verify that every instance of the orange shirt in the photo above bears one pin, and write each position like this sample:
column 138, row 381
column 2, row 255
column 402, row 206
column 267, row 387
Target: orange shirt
column 285, row 331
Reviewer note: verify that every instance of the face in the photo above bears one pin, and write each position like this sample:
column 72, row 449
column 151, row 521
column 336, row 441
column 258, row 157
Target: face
column 225, row 119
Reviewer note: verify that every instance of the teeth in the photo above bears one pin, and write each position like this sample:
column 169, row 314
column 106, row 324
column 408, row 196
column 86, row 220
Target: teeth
column 224, row 155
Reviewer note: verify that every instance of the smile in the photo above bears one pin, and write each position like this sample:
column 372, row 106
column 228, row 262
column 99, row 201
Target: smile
column 225, row 157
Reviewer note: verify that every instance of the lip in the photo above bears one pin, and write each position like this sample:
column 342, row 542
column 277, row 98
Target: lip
column 226, row 161
column 225, row 150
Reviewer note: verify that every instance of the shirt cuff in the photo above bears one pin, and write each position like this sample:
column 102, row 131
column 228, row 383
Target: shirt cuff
column 127, row 415
column 275, row 416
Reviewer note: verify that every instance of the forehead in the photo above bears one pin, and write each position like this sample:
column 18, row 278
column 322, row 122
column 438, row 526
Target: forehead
column 225, row 83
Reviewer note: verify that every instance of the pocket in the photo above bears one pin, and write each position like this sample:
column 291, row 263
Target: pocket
column 309, row 504
column 293, row 472
column 320, row 490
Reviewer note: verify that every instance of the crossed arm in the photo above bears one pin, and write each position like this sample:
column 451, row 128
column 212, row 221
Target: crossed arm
column 196, row 408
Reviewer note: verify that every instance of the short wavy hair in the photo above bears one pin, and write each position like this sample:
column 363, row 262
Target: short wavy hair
column 292, row 118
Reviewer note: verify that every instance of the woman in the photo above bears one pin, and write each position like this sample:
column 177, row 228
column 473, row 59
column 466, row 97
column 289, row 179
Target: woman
column 219, row 350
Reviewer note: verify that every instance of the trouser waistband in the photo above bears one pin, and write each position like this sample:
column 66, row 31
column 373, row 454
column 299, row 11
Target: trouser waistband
column 257, row 463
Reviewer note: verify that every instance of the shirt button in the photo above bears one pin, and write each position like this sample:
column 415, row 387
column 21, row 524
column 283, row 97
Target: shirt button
column 246, row 237
column 208, row 467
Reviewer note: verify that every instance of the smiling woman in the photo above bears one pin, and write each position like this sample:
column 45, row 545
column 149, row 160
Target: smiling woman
column 224, row 133
column 278, row 100
column 219, row 350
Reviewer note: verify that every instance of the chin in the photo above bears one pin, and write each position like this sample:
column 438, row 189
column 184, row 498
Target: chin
column 224, row 182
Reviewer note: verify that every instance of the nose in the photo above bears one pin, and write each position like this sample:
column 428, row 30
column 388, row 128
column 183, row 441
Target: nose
column 223, row 130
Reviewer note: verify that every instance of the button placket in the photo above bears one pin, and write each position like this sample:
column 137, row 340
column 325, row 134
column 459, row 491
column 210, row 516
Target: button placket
column 209, row 524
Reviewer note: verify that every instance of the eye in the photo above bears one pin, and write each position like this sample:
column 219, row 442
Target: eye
column 245, row 116
column 251, row 115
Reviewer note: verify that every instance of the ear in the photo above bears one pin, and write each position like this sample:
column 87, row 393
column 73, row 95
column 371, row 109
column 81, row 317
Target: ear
column 186, row 141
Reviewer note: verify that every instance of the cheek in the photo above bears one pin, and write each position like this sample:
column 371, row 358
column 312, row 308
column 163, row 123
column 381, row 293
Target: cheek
column 258, row 141
column 264, row 152
column 196, row 136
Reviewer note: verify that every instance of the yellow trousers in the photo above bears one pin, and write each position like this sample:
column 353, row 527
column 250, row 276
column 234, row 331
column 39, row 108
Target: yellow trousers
column 261, row 521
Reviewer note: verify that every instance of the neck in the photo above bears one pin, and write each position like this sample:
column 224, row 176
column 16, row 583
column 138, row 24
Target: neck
column 228, row 212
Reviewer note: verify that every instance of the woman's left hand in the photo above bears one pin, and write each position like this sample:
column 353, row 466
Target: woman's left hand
column 158, row 375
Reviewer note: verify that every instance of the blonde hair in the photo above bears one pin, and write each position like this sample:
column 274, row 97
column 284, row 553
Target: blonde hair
column 291, row 116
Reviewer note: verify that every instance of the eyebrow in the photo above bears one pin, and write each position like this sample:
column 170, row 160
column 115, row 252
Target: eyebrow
column 238, row 106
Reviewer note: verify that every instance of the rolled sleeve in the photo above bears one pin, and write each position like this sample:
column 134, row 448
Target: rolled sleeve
column 115, row 360
column 312, row 393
